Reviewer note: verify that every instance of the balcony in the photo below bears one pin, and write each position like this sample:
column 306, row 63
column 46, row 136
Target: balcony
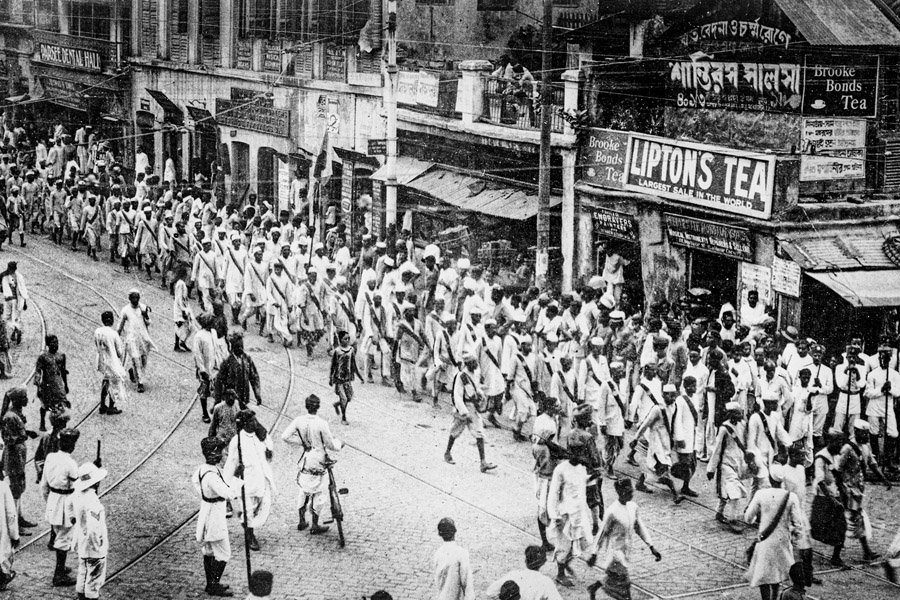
column 513, row 104
column 74, row 52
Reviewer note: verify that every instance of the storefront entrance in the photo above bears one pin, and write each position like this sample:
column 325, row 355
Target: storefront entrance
column 716, row 273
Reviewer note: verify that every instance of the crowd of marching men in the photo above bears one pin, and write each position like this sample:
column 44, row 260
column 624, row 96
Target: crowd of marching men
column 570, row 372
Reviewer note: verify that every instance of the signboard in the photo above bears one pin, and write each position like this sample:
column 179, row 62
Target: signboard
column 407, row 87
column 841, row 85
column 786, row 277
column 428, row 89
column 335, row 67
column 75, row 58
column 832, row 149
column 759, row 278
column 705, row 83
column 64, row 92
column 263, row 119
column 609, row 223
column 145, row 104
column 741, row 31
column 377, row 147
column 732, row 242
column 720, row 178
column 284, row 186
column 603, row 158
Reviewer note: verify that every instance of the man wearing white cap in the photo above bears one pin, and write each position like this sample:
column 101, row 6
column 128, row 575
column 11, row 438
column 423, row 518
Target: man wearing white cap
column 319, row 260
column 235, row 266
column 467, row 396
column 372, row 317
column 133, row 321
column 380, row 256
column 145, row 242
column 882, row 388
column 279, row 304
column 410, row 349
column 728, row 464
column 253, row 296
column 522, row 386
column 91, row 537
column 447, row 351
column 611, row 414
column 495, row 385
column 204, row 274
column 563, row 391
column 166, row 243
column 592, row 372
column 658, row 429
column 90, row 226
column 342, row 309
column 470, row 301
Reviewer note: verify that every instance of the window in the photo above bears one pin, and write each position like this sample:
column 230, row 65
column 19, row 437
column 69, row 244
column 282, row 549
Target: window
column 4, row 10
column 496, row 4
column 257, row 19
column 89, row 20
column 182, row 16
column 292, row 20
column 48, row 15
column 209, row 19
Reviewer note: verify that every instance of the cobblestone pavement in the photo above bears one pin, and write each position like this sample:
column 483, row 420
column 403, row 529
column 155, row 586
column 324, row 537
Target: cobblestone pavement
column 399, row 485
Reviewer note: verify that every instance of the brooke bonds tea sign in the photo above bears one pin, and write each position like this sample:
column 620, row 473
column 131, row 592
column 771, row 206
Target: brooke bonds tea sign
column 721, row 178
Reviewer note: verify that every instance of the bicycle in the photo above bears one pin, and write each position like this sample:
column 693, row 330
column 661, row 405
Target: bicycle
column 334, row 495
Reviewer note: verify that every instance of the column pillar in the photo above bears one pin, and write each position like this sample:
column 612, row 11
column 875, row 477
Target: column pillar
column 226, row 32
column 573, row 80
column 567, row 232
column 470, row 94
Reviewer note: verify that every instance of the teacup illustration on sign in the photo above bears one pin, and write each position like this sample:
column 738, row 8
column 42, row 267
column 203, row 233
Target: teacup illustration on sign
column 818, row 104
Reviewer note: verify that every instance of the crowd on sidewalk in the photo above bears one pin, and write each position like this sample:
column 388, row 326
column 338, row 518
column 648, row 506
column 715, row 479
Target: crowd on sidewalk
column 772, row 414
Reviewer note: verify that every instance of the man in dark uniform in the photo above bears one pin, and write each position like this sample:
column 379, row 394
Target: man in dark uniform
column 14, row 438
column 238, row 373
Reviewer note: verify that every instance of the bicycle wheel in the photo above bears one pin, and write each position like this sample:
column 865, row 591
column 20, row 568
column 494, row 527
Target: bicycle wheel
column 337, row 513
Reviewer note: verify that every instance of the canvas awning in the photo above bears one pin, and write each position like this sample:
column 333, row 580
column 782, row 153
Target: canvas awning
column 174, row 115
column 408, row 168
column 476, row 194
column 847, row 248
column 863, row 289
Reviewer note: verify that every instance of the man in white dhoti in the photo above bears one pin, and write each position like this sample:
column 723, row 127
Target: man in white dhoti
column 235, row 265
column 9, row 531
column 134, row 319
column 110, row 354
column 16, row 296
column 253, row 460
column 311, row 432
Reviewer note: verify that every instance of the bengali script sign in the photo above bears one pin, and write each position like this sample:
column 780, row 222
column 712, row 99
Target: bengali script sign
column 734, row 30
column 832, row 149
column 705, row 83
column 720, row 178
column 732, row 242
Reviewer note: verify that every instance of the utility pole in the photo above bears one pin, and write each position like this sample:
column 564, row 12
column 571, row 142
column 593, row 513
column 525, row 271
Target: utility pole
column 390, row 101
column 542, row 256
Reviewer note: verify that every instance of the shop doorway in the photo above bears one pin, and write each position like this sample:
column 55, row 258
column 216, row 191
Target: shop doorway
column 716, row 273
column 173, row 147
column 633, row 288
column 240, row 170
column 266, row 175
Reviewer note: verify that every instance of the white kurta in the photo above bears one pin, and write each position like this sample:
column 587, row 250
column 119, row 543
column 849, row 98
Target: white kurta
column 773, row 556
column 235, row 264
column 452, row 573
column 9, row 527
column 616, row 537
column 259, row 482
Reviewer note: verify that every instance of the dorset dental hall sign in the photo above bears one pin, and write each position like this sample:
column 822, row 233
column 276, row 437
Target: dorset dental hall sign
column 710, row 176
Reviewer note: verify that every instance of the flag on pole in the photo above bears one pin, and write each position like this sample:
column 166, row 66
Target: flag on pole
column 323, row 167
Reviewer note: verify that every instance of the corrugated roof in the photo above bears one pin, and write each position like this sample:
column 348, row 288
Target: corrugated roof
column 841, row 22
column 479, row 195
column 850, row 248
column 408, row 168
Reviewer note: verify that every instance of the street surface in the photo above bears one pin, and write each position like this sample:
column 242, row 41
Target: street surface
column 399, row 484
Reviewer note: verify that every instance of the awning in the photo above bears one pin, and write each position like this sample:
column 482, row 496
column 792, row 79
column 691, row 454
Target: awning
column 841, row 22
column 864, row 289
column 17, row 99
column 407, row 169
column 174, row 114
column 479, row 195
column 847, row 248
column 200, row 116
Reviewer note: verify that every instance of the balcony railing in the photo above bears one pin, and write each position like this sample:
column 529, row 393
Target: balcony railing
column 509, row 103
